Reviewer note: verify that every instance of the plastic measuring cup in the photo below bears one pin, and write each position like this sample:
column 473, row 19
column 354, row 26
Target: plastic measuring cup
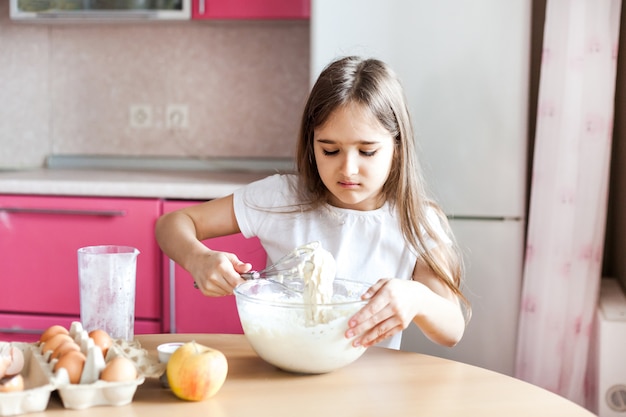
column 107, row 277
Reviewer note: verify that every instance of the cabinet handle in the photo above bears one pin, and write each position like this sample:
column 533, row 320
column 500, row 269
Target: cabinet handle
column 21, row 331
column 72, row 212
column 172, row 285
column 201, row 7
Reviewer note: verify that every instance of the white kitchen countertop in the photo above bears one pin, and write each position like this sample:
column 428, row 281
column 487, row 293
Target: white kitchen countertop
column 168, row 184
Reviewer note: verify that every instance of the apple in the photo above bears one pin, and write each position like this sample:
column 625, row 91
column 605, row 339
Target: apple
column 196, row 372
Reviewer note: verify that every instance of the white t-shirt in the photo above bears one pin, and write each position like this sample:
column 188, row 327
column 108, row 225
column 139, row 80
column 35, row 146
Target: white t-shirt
column 367, row 245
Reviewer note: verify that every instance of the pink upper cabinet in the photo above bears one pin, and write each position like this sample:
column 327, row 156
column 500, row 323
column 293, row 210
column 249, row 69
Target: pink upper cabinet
column 251, row 9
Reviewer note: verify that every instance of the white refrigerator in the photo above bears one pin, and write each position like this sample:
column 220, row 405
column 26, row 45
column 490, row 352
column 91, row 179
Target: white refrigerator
column 465, row 69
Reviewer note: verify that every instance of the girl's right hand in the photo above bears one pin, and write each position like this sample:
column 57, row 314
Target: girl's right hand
column 217, row 273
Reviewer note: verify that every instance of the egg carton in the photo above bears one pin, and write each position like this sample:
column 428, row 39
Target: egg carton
column 91, row 391
column 147, row 365
column 38, row 385
column 41, row 380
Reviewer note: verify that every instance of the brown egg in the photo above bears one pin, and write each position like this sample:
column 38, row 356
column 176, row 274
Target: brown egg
column 119, row 369
column 73, row 362
column 52, row 331
column 55, row 341
column 102, row 340
column 12, row 383
column 63, row 348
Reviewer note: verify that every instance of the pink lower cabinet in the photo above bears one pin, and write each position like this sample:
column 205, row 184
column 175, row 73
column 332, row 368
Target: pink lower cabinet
column 39, row 237
column 26, row 328
column 186, row 310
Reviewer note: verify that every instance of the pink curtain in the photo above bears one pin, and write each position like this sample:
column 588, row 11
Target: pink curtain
column 569, row 194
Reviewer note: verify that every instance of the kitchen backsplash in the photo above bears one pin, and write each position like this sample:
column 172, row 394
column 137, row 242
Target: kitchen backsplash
column 181, row 89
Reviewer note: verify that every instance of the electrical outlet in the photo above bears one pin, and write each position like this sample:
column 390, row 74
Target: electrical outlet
column 177, row 116
column 140, row 116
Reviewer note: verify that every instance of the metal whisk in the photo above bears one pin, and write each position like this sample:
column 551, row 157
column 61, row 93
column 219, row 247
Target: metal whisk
column 287, row 270
column 287, row 267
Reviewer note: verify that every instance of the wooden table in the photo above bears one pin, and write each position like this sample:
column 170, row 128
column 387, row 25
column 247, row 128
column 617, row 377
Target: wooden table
column 382, row 382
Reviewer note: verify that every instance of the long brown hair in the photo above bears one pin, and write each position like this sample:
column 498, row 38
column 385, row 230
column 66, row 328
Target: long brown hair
column 372, row 84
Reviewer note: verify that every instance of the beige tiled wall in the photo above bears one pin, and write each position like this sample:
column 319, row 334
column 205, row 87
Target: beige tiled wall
column 68, row 89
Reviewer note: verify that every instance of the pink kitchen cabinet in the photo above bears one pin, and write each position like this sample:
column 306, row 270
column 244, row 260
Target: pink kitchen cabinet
column 250, row 9
column 39, row 237
column 186, row 309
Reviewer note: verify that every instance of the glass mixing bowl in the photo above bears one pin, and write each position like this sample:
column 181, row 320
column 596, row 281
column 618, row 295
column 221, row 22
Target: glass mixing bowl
column 295, row 336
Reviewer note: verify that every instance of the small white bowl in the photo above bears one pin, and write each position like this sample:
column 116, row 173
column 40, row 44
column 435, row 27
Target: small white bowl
column 164, row 352
column 166, row 349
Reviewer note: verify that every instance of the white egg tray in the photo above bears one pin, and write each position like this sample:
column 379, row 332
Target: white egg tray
column 38, row 384
column 40, row 380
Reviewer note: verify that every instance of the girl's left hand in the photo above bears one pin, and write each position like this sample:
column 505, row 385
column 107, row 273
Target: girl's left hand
column 391, row 308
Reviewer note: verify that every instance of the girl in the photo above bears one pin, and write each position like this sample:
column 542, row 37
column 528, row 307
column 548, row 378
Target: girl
column 358, row 191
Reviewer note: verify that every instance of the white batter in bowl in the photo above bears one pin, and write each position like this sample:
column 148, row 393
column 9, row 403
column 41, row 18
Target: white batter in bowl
column 277, row 327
